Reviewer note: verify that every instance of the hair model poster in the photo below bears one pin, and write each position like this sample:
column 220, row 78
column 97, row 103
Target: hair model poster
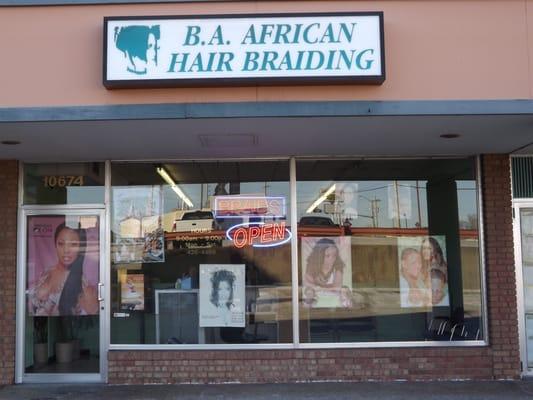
column 326, row 271
column 62, row 265
column 222, row 295
column 423, row 271
column 132, row 292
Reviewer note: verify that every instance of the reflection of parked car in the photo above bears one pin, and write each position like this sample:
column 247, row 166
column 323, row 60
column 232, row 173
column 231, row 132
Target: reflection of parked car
column 195, row 221
column 317, row 220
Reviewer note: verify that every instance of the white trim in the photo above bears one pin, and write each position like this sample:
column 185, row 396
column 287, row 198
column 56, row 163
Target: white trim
column 20, row 375
column 62, row 378
column 21, row 278
column 204, row 347
column 520, row 300
column 289, row 346
column 523, row 201
column 392, row 345
column 294, row 254
column 105, row 270
column 61, row 207
column 517, row 205
column 482, row 250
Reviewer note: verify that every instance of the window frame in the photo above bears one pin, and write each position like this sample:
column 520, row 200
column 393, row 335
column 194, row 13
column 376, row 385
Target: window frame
column 294, row 270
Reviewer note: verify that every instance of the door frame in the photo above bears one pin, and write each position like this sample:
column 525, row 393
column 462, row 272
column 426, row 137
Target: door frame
column 20, row 375
column 518, row 205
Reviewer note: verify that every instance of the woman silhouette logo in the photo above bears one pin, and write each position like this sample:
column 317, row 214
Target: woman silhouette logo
column 140, row 45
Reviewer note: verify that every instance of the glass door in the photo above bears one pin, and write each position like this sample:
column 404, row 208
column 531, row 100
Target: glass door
column 63, row 296
column 525, row 258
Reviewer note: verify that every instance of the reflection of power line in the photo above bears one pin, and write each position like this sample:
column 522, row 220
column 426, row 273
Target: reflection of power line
column 372, row 189
column 423, row 187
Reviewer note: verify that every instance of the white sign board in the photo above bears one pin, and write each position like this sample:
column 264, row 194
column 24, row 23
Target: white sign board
column 243, row 49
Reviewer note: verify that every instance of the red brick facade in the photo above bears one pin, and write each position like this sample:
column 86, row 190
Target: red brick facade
column 8, row 268
column 500, row 268
column 500, row 360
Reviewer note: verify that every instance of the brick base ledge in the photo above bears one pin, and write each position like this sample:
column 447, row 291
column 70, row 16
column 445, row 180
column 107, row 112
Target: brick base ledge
column 260, row 366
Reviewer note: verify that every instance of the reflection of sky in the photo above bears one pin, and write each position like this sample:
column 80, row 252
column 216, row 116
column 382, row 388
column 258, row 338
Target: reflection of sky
column 467, row 199
column 85, row 194
column 377, row 192
column 368, row 193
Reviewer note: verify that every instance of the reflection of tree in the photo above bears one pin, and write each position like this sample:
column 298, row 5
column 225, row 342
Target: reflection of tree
column 469, row 223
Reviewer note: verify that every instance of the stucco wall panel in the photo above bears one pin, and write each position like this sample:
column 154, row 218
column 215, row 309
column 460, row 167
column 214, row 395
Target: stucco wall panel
column 529, row 22
column 470, row 49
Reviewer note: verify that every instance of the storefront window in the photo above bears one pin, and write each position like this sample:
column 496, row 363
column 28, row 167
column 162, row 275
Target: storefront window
column 200, row 253
column 388, row 251
column 74, row 183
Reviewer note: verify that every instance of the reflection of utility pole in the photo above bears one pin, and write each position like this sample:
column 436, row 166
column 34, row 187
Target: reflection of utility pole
column 374, row 210
column 397, row 204
column 418, row 205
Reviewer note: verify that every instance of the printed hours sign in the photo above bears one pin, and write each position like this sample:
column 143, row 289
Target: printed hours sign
column 243, row 50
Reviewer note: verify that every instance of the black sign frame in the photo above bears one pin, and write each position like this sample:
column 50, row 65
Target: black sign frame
column 244, row 81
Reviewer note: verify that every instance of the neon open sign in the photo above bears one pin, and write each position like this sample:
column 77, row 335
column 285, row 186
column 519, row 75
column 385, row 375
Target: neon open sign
column 259, row 234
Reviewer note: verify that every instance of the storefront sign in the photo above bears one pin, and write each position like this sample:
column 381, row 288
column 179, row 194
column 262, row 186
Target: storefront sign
column 249, row 206
column 259, row 234
column 243, row 49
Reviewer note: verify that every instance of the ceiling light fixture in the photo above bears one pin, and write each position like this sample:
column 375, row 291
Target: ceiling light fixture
column 319, row 201
column 450, row 135
column 166, row 177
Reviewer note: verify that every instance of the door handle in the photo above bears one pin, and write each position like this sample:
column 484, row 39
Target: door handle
column 100, row 286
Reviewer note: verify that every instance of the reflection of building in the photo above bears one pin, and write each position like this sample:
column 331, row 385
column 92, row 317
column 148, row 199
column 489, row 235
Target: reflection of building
column 130, row 228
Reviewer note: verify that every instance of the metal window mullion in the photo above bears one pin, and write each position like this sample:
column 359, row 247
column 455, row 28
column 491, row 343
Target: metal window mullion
column 105, row 276
column 20, row 282
column 294, row 255
column 481, row 249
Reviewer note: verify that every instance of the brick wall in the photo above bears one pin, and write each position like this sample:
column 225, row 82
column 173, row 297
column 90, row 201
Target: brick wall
column 8, row 268
column 498, row 361
column 499, row 258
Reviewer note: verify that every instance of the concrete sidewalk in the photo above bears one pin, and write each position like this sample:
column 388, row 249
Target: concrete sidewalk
column 307, row 391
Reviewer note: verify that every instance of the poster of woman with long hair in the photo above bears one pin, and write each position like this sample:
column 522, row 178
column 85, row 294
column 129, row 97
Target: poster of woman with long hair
column 63, row 261
column 222, row 295
column 327, row 271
